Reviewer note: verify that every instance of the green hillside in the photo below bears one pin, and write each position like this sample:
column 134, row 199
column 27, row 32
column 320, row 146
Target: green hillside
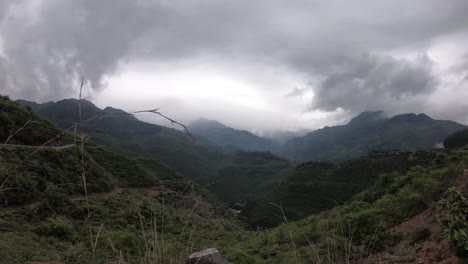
column 314, row 187
column 23, row 126
column 140, row 211
column 251, row 173
column 456, row 140
column 246, row 176
column 133, row 206
column 130, row 136
column 361, row 230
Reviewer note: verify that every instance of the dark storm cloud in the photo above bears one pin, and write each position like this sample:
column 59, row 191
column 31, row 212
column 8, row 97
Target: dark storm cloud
column 50, row 46
column 370, row 82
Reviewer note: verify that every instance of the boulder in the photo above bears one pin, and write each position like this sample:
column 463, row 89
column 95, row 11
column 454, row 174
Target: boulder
column 207, row 256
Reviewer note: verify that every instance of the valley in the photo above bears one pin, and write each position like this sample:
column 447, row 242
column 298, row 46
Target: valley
column 131, row 192
column 233, row 132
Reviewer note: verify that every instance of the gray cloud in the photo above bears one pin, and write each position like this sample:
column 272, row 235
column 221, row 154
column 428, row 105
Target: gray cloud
column 4, row 7
column 49, row 47
column 297, row 92
column 372, row 82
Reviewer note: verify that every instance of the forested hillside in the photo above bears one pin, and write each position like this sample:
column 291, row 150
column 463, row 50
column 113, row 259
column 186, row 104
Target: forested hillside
column 60, row 202
column 314, row 187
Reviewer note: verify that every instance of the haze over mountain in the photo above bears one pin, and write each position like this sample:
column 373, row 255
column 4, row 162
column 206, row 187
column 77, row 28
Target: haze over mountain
column 229, row 138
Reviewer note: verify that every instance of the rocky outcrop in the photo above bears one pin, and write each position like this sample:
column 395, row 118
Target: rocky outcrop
column 207, row 256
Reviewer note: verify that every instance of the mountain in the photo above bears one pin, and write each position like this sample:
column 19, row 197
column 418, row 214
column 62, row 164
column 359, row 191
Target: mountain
column 229, row 138
column 253, row 173
column 283, row 136
column 138, row 210
column 20, row 126
column 367, row 132
column 49, row 206
column 128, row 135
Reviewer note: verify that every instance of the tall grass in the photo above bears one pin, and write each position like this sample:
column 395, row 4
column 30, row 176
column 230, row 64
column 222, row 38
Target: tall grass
column 158, row 250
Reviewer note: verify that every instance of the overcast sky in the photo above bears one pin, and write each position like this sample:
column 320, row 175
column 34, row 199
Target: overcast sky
column 256, row 65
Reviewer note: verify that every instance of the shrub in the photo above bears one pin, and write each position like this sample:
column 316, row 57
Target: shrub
column 456, row 140
column 454, row 217
column 60, row 228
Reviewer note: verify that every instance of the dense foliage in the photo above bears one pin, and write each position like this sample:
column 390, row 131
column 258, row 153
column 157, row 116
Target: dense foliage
column 27, row 127
column 246, row 176
column 454, row 217
column 350, row 233
column 133, row 206
column 457, row 140
column 314, row 187
column 141, row 211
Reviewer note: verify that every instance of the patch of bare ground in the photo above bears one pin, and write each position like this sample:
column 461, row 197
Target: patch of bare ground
column 422, row 242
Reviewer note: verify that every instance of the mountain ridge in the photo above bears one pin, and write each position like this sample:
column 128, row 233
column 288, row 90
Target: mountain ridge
column 364, row 133
column 370, row 131
column 229, row 138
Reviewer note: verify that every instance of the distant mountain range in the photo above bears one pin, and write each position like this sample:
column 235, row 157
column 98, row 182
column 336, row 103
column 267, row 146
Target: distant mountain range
column 367, row 132
column 207, row 161
column 370, row 131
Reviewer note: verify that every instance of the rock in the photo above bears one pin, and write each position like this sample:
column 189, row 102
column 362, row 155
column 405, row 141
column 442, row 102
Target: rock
column 207, row 256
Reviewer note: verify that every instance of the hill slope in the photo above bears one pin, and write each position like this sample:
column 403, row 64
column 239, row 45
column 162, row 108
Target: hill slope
column 130, row 220
column 131, row 136
column 49, row 218
column 313, row 187
column 206, row 164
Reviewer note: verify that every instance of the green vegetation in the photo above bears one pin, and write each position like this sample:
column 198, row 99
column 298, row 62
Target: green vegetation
column 314, row 187
column 128, row 135
column 235, row 176
column 138, row 210
column 354, row 231
column 454, row 217
column 34, row 130
column 456, row 140
column 246, row 176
